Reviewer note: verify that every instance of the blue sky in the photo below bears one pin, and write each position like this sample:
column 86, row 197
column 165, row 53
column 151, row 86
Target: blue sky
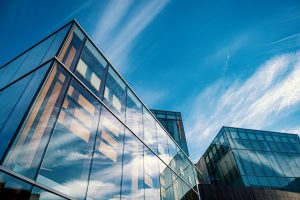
column 234, row 63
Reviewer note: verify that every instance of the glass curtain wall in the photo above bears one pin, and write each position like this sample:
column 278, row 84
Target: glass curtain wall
column 255, row 158
column 72, row 142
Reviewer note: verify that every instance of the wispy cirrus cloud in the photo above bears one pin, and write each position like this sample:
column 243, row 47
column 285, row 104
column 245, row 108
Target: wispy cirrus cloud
column 258, row 102
column 118, row 27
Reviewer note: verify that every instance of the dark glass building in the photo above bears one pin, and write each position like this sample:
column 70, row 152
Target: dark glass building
column 72, row 128
column 253, row 158
column 172, row 122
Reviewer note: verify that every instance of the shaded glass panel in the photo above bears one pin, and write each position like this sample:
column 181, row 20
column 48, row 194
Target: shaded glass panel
column 13, row 188
column 151, row 175
column 245, row 162
column 134, row 117
column 133, row 171
column 67, row 161
column 149, row 130
column 265, row 164
column 114, row 93
column 41, row 53
column 14, row 101
column 106, row 171
column 8, row 71
column 256, row 163
column 28, row 148
column 91, row 68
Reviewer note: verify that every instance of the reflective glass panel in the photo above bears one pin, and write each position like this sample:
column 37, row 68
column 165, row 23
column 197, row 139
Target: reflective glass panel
column 151, row 175
column 134, row 118
column 14, row 102
column 133, row 168
column 91, row 68
column 162, row 144
column 106, row 171
column 28, row 148
column 70, row 52
column 114, row 93
column 149, row 130
column 67, row 161
column 40, row 194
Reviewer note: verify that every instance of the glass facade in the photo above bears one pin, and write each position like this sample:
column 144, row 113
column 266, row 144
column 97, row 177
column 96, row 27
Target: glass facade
column 245, row 157
column 73, row 128
column 172, row 122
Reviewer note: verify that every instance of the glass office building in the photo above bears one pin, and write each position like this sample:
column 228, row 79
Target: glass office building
column 172, row 122
column 72, row 128
column 264, row 159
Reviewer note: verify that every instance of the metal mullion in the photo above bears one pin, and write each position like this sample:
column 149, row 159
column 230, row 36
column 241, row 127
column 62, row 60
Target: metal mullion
column 37, row 43
column 33, row 183
column 103, row 104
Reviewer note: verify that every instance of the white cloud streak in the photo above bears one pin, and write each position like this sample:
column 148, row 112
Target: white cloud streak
column 121, row 29
column 259, row 102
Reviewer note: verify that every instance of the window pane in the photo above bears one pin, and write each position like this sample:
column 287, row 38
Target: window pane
column 34, row 58
column 70, row 52
column 114, row 94
column 106, row 172
column 56, row 43
column 134, row 114
column 67, row 161
column 14, row 101
column 162, row 144
column 7, row 72
column 151, row 175
column 91, row 68
column 27, row 150
column 149, row 130
column 133, row 173
column 40, row 194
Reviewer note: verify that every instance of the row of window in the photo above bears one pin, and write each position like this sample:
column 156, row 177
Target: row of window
column 250, row 171
column 60, row 136
column 263, row 142
column 63, row 145
column 267, row 163
column 80, row 56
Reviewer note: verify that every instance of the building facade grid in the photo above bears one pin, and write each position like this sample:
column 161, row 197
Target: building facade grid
column 86, row 135
column 244, row 157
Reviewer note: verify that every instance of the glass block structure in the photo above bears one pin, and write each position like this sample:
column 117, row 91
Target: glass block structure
column 264, row 159
column 72, row 128
column 172, row 122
